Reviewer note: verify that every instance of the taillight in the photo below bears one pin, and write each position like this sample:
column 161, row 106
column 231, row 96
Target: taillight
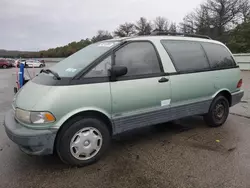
column 239, row 83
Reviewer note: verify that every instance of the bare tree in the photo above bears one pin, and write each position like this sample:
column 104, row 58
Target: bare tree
column 125, row 30
column 203, row 21
column 173, row 28
column 224, row 13
column 245, row 9
column 161, row 24
column 101, row 35
column 188, row 24
column 198, row 21
column 143, row 27
column 215, row 17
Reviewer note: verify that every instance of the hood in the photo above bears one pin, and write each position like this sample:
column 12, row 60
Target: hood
column 29, row 95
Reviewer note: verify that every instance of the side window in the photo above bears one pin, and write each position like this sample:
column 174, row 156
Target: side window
column 218, row 56
column 100, row 70
column 187, row 56
column 139, row 57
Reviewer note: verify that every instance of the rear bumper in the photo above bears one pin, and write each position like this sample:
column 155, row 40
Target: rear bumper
column 34, row 142
column 236, row 97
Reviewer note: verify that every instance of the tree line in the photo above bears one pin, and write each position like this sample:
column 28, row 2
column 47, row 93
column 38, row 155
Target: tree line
column 141, row 27
column 225, row 20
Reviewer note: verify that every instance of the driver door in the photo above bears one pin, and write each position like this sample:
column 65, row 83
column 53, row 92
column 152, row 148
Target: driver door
column 141, row 97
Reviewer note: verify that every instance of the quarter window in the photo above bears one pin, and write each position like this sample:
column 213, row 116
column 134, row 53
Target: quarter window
column 100, row 70
column 139, row 57
column 187, row 56
column 218, row 55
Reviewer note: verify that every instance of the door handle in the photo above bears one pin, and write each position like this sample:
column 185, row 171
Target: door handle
column 163, row 79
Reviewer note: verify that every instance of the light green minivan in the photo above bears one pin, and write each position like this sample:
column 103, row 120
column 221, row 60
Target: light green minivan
column 75, row 107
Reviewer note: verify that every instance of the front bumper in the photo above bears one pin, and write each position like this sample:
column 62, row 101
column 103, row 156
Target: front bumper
column 236, row 97
column 34, row 142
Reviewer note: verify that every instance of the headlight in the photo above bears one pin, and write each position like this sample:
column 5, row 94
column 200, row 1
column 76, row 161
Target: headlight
column 34, row 117
column 22, row 115
column 41, row 117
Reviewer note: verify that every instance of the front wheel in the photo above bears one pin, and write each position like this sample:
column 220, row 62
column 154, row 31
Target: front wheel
column 4, row 66
column 218, row 112
column 83, row 142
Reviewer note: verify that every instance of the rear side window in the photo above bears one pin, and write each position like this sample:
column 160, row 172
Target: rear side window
column 187, row 56
column 219, row 57
column 139, row 57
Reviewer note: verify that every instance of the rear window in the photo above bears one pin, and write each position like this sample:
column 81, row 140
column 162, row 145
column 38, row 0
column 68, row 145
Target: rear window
column 219, row 57
column 187, row 56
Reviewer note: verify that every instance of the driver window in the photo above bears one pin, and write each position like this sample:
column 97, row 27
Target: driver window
column 140, row 58
column 100, row 70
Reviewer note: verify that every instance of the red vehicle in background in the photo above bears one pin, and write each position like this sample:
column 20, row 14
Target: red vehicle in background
column 5, row 63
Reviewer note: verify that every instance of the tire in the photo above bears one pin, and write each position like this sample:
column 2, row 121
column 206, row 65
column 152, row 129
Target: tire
column 218, row 112
column 41, row 66
column 4, row 66
column 69, row 136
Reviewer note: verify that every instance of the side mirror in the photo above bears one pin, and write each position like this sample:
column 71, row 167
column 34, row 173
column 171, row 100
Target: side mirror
column 117, row 71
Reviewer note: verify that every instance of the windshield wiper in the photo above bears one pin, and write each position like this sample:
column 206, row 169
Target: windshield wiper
column 47, row 71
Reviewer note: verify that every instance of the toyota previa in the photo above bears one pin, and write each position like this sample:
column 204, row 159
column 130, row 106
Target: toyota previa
column 76, row 106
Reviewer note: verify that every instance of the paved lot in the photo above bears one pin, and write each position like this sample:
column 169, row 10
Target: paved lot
column 243, row 109
column 183, row 155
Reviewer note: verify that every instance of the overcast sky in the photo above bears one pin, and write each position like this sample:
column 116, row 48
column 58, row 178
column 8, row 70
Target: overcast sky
column 42, row 24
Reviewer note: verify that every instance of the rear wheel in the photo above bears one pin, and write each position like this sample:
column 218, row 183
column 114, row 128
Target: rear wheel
column 218, row 112
column 41, row 66
column 83, row 142
column 4, row 66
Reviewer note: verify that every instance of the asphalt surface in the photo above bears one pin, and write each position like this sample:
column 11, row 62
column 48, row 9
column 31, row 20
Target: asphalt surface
column 186, row 154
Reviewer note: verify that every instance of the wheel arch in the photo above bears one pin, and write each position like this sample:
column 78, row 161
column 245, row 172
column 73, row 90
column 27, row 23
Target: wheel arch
column 88, row 112
column 85, row 113
column 226, row 93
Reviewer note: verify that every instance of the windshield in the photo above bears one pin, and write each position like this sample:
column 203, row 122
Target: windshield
column 73, row 64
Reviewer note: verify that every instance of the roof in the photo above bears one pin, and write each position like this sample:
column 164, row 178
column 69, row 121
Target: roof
column 163, row 37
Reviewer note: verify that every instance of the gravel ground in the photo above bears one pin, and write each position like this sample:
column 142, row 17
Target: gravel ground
column 180, row 155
